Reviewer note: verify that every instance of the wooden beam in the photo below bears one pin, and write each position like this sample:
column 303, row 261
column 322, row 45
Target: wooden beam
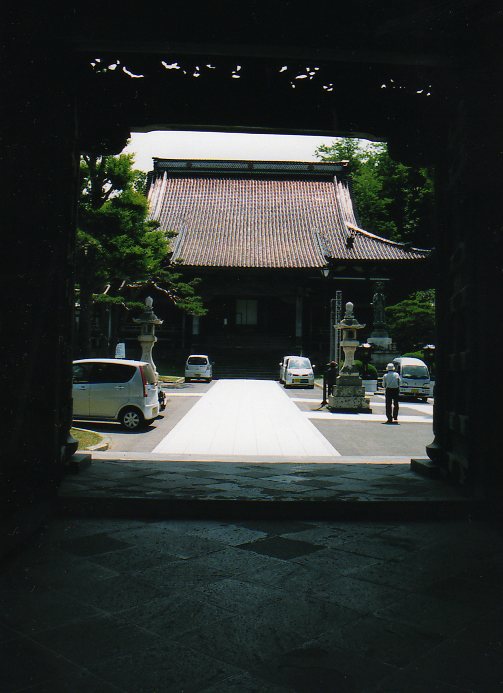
column 312, row 54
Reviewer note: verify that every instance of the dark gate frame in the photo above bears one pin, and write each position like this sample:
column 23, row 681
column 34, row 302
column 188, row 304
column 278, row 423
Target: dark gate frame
column 426, row 80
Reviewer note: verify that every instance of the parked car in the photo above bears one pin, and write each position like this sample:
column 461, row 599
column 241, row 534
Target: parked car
column 414, row 377
column 198, row 367
column 115, row 390
column 282, row 367
column 298, row 372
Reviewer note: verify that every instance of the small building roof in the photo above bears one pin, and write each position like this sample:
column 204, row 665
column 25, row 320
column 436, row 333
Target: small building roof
column 261, row 214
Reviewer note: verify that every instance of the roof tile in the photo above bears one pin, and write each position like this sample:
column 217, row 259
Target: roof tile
column 243, row 221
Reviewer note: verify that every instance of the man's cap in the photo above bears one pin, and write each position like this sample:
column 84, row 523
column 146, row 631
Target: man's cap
column 390, row 367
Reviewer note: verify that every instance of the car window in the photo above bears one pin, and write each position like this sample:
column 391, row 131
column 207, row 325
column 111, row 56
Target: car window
column 81, row 373
column 414, row 372
column 299, row 362
column 111, row 373
column 197, row 361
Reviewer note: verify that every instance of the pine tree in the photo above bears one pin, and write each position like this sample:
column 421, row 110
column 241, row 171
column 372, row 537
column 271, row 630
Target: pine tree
column 118, row 245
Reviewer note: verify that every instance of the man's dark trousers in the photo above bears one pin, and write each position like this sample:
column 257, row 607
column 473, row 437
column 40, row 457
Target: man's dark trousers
column 392, row 401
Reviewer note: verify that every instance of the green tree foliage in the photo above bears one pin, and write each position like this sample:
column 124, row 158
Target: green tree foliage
column 412, row 321
column 391, row 199
column 366, row 371
column 117, row 245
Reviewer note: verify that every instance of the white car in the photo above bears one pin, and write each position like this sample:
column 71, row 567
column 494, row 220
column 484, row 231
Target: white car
column 198, row 367
column 282, row 367
column 298, row 372
column 115, row 390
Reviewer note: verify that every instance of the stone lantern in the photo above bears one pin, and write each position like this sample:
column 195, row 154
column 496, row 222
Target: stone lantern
column 429, row 355
column 147, row 321
column 349, row 392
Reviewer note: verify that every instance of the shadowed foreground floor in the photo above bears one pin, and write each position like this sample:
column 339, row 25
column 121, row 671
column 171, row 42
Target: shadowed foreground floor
column 95, row 605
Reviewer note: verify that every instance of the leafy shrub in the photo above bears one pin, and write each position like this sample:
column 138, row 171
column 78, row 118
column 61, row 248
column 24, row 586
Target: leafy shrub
column 370, row 373
column 415, row 355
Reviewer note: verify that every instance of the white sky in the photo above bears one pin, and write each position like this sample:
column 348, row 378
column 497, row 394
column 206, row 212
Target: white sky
column 221, row 145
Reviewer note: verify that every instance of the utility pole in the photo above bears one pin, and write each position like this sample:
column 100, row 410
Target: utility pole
column 338, row 318
column 335, row 318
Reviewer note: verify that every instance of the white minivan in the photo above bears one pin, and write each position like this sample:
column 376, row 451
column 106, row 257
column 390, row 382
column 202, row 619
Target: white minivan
column 298, row 372
column 198, row 367
column 414, row 377
column 115, row 390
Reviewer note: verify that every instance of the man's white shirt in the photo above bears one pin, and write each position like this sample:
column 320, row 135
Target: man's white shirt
column 391, row 379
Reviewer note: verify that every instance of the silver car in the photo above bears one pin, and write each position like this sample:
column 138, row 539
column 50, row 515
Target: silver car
column 198, row 367
column 115, row 390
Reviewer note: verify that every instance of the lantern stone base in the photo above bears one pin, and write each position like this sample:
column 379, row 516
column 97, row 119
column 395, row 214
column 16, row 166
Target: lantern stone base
column 349, row 396
column 380, row 358
column 147, row 342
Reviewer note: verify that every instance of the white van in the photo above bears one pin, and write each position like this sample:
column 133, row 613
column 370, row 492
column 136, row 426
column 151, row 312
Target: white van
column 414, row 377
column 115, row 390
column 298, row 372
column 198, row 367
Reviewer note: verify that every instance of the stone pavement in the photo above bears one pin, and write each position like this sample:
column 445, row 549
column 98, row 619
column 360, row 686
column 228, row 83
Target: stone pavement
column 121, row 485
column 266, row 574
column 245, row 417
column 259, row 417
column 93, row 605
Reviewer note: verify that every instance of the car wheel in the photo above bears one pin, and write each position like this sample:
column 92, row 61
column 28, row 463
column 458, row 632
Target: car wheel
column 208, row 380
column 131, row 419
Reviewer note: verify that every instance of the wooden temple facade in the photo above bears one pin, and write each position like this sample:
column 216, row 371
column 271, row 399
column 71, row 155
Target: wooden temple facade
column 272, row 242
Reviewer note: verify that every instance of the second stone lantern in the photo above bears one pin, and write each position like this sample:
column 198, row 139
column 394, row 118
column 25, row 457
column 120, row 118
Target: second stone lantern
column 147, row 322
column 349, row 392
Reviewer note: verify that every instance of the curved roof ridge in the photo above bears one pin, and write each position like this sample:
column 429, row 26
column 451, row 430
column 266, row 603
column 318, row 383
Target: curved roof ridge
column 353, row 227
column 342, row 164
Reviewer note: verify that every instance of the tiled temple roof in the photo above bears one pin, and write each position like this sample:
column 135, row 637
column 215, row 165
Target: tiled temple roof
column 263, row 214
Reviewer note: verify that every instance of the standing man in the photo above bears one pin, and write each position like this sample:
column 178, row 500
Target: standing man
column 391, row 383
column 331, row 376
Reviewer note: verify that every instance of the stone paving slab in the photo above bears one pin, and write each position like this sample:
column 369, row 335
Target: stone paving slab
column 254, row 605
column 245, row 417
column 275, row 460
column 355, row 488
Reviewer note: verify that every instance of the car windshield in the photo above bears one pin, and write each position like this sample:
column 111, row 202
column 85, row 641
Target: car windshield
column 299, row 362
column 197, row 361
column 414, row 372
